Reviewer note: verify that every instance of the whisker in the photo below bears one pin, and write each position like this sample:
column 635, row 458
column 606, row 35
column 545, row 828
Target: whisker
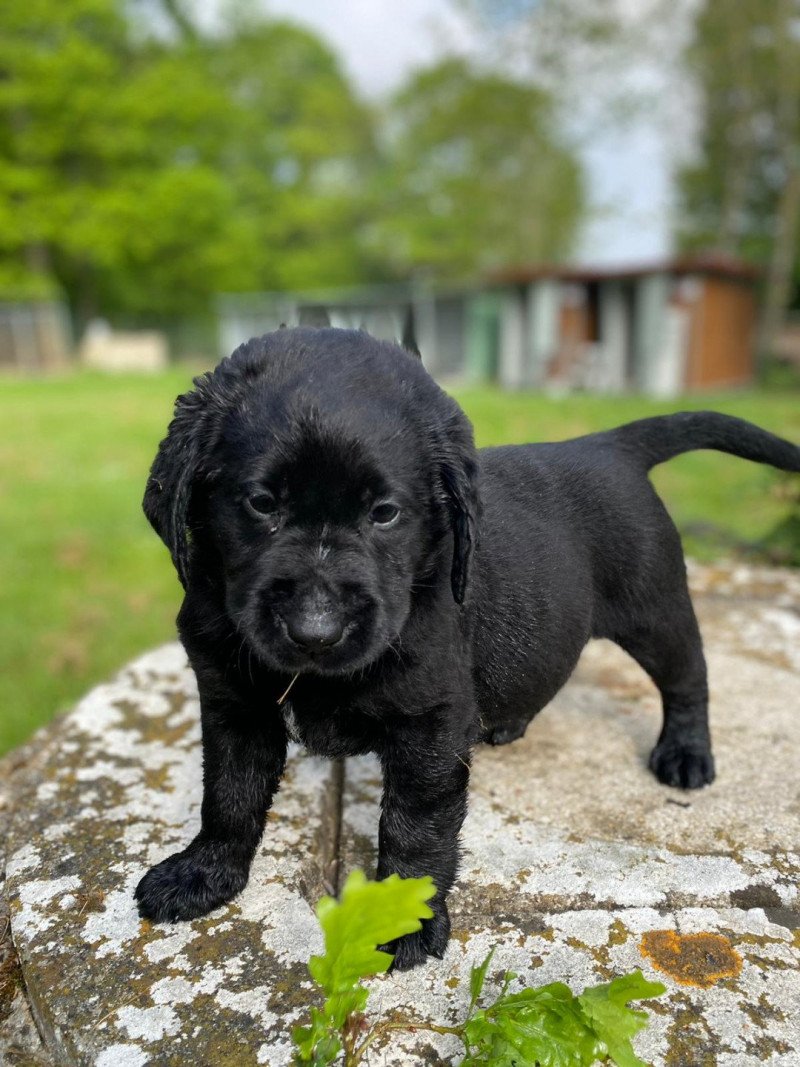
column 287, row 690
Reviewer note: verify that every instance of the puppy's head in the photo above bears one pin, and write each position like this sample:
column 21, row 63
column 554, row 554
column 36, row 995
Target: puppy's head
column 323, row 481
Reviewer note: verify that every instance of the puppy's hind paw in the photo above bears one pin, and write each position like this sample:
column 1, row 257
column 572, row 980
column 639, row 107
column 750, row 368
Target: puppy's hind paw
column 681, row 766
column 505, row 734
column 189, row 884
column 412, row 950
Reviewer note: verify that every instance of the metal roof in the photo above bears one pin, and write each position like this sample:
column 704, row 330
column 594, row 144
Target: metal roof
column 711, row 263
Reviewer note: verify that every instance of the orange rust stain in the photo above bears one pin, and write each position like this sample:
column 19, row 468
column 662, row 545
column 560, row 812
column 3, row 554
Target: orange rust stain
column 691, row 959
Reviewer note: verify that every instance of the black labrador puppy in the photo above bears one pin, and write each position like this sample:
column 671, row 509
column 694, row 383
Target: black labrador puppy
column 339, row 537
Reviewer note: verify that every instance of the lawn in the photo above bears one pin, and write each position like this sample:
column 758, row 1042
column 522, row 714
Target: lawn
column 86, row 584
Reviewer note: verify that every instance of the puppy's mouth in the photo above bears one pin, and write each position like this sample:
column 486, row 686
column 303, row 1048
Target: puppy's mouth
column 322, row 636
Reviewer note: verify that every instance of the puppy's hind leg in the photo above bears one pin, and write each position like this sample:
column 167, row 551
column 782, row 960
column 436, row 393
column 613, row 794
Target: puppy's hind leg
column 670, row 649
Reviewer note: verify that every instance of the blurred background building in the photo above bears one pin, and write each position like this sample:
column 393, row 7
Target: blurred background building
column 665, row 329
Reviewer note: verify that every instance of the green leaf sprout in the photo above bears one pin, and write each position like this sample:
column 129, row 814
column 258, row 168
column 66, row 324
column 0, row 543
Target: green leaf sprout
column 543, row 1027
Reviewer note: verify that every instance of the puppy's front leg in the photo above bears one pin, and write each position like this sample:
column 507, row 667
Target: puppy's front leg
column 244, row 753
column 425, row 779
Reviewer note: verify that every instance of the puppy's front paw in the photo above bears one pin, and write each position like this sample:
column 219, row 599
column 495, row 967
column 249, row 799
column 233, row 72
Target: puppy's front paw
column 682, row 766
column 411, row 950
column 190, row 884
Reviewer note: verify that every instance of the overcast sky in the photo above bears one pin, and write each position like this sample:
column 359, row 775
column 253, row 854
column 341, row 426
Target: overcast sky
column 628, row 169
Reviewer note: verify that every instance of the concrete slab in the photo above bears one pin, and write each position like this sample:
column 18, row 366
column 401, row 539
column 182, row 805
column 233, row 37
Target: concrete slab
column 20, row 1043
column 577, row 865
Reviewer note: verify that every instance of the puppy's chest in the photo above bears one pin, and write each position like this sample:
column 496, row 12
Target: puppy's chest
column 331, row 732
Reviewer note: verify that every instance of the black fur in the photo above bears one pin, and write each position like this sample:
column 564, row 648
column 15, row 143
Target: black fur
column 413, row 635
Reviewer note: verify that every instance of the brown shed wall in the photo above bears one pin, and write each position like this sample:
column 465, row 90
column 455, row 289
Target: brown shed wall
column 721, row 350
column 574, row 328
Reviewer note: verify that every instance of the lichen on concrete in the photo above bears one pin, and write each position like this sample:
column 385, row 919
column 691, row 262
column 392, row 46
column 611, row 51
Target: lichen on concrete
column 88, row 826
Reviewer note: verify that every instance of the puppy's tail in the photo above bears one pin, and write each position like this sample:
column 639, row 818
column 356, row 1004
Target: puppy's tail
column 656, row 440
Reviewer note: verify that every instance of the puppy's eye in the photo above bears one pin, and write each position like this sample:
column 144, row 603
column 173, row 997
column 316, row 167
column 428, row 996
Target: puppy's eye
column 384, row 514
column 261, row 505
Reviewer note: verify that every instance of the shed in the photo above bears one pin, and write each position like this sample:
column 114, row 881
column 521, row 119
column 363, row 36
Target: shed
column 677, row 326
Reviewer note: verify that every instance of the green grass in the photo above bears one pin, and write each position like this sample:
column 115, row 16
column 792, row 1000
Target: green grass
column 86, row 585
column 85, row 582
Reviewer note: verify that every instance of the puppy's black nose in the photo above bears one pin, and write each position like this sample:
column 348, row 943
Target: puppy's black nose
column 315, row 631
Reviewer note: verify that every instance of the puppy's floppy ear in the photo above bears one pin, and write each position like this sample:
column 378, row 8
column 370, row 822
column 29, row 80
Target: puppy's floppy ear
column 458, row 470
column 172, row 476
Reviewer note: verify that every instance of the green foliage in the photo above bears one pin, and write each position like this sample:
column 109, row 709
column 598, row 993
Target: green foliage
column 744, row 59
column 614, row 1023
column 544, row 1027
column 783, row 540
column 551, row 1027
column 537, row 1026
column 478, row 176
column 299, row 156
column 142, row 174
column 477, row 980
column 145, row 175
column 367, row 914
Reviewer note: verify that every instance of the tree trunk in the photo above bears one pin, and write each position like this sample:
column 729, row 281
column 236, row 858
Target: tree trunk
column 183, row 23
column 787, row 216
column 781, row 266
column 37, row 258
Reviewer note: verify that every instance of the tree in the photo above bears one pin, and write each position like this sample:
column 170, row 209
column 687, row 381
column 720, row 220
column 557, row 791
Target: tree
column 582, row 52
column 741, row 192
column 478, row 175
column 300, row 155
column 143, row 174
column 109, row 177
